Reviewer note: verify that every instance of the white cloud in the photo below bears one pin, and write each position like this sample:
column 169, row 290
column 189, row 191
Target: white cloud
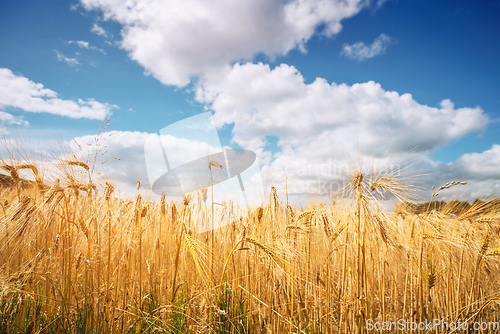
column 98, row 30
column 128, row 146
column 361, row 52
column 261, row 102
column 479, row 166
column 86, row 45
column 70, row 61
column 317, row 124
column 6, row 118
column 176, row 40
column 478, row 169
column 19, row 92
column 130, row 163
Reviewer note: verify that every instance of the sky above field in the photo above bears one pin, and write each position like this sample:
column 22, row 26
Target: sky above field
column 305, row 84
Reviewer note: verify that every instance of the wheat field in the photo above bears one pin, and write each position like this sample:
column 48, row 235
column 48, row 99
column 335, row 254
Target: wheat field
column 77, row 258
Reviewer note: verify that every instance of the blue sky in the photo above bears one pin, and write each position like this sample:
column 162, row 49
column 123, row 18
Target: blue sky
column 146, row 74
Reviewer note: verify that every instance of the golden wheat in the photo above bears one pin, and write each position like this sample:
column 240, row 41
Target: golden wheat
column 101, row 263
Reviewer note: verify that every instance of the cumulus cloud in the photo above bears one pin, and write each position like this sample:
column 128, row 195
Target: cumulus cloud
column 136, row 157
column 317, row 124
column 478, row 166
column 478, row 169
column 361, row 52
column 176, row 40
column 130, row 144
column 20, row 92
column 6, row 118
column 70, row 61
column 124, row 157
column 261, row 102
